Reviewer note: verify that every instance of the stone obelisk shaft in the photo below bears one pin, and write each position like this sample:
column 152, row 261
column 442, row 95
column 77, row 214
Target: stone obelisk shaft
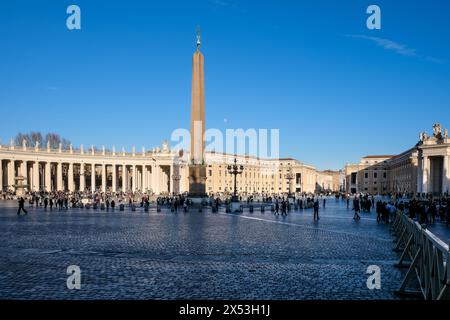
column 197, row 109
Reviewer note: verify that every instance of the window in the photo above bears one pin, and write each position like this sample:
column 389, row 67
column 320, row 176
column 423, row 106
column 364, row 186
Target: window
column 375, row 175
column 366, row 175
column 384, row 175
column 210, row 173
column 353, row 178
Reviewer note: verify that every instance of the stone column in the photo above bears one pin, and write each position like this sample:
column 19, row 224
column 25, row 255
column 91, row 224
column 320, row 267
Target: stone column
column 171, row 181
column 93, row 177
column 59, row 180
column 114, row 178
column 124, row 178
column 82, row 178
column 133, row 182
column 36, row 176
column 157, row 180
column 23, row 171
column 11, row 174
column 153, row 178
column 103, row 177
column 419, row 176
column 426, row 174
column 144, row 178
column 1, row 173
column 48, row 177
column 446, row 175
column 162, row 180
column 138, row 178
column 70, row 179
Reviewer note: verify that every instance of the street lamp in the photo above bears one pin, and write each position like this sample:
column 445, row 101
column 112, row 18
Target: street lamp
column 235, row 170
column 289, row 177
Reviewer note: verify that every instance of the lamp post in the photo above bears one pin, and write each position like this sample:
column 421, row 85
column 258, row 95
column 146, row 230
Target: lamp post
column 235, row 170
column 289, row 177
column 176, row 178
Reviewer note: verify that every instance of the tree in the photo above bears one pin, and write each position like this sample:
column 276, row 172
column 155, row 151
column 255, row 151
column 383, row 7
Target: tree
column 53, row 138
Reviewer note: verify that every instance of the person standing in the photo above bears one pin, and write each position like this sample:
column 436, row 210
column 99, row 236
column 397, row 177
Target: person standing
column 21, row 206
column 316, row 210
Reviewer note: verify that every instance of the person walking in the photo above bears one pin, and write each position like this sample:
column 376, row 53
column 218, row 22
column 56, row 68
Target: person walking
column 21, row 206
column 357, row 208
column 316, row 210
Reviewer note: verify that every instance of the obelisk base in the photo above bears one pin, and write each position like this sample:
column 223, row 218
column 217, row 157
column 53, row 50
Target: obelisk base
column 197, row 181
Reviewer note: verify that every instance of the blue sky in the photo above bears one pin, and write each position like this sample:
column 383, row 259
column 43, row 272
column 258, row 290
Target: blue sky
column 336, row 90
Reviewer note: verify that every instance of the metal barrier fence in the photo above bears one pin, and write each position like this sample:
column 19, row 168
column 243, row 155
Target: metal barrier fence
column 426, row 257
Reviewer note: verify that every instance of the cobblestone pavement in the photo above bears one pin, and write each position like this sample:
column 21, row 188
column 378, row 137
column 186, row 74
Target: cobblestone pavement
column 138, row 255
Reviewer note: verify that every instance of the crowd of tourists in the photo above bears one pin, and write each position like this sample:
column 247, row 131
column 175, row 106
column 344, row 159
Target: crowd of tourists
column 426, row 209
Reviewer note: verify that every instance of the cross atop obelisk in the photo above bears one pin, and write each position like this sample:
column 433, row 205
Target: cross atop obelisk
column 198, row 38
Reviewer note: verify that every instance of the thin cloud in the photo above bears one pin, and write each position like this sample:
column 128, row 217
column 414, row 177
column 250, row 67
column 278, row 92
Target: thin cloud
column 435, row 60
column 222, row 3
column 396, row 47
column 387, row 44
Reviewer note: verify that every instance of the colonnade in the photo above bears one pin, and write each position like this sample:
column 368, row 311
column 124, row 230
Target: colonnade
column 42, row 175
column 429, row 177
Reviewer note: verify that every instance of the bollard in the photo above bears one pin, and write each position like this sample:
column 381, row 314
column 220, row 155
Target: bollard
column 262, row 209
column 121, row 207
column 146, row 208
column 214, row 209
column 133, row 207
column 158, row 208
column 251, row 208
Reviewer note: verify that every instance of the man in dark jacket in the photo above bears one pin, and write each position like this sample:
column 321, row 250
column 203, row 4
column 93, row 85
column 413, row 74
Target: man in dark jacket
column 21, row 206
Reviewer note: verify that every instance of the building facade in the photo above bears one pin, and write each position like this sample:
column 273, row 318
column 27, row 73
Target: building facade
column 160, row 171
column 422, row 169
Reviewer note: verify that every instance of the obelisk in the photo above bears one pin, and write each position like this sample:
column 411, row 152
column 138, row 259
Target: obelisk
column 197, row 167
